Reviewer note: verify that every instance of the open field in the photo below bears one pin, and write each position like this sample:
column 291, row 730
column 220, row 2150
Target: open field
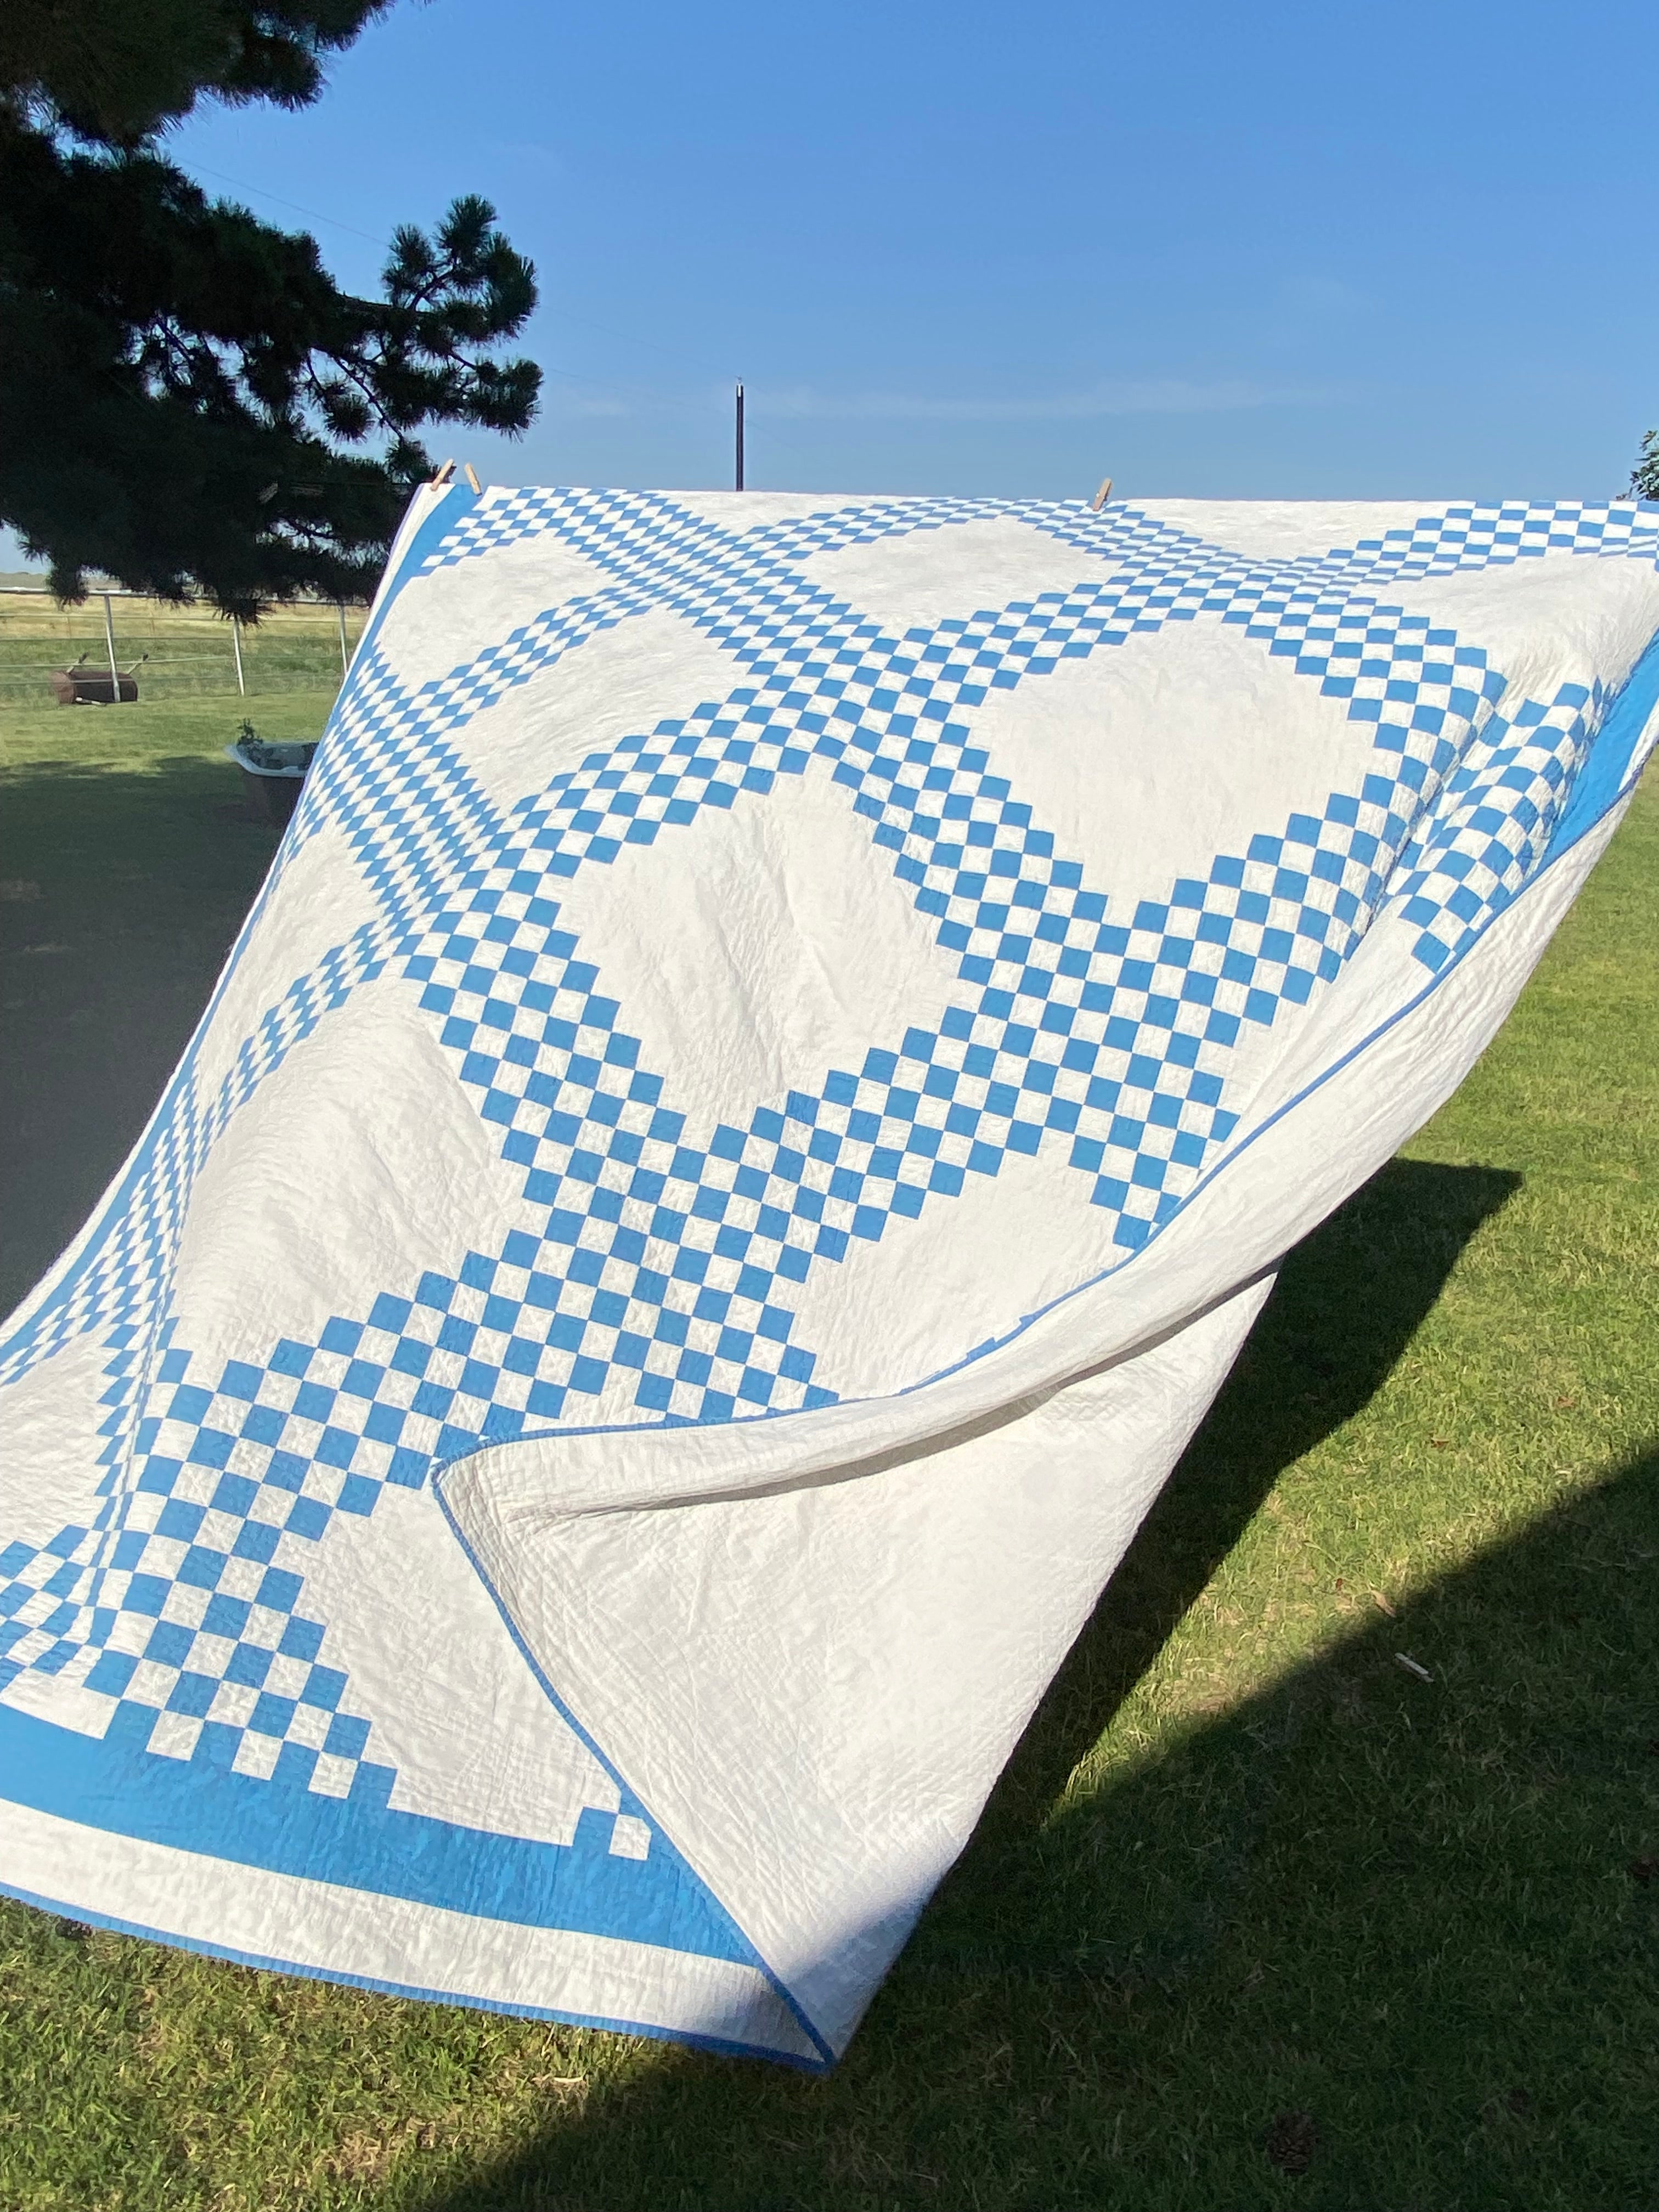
column 184, row 652
column 1252, row 1898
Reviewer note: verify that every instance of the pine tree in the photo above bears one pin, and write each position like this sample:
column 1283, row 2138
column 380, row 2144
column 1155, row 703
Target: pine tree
column 188, row 402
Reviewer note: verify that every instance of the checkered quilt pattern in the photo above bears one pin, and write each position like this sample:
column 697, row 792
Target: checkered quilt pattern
column 766, row 1084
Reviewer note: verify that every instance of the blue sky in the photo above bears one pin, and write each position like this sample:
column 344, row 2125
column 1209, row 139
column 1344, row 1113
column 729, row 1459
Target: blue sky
column 1282, row 250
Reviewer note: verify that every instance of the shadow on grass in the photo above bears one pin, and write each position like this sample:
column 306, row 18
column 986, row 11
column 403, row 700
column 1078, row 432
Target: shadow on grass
column 1413, row 1923
column 120, row 895
column 1347, row 1302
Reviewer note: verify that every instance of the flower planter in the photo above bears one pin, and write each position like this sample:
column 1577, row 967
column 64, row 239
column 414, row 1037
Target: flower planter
column 273, row 774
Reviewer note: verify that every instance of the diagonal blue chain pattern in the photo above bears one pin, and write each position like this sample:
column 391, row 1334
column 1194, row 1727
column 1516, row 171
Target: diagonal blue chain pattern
column 666, row 1261
column 400, row 818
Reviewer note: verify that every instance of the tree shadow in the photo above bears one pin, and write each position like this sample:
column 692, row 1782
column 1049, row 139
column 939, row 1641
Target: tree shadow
column 124, row 892
column 1399, row 1931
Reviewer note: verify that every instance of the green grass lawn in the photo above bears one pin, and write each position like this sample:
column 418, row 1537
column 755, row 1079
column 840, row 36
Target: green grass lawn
column 1252, row 1896
column 180, row 653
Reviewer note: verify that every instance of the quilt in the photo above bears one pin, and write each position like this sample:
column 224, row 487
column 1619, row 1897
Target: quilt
column 767, row 1082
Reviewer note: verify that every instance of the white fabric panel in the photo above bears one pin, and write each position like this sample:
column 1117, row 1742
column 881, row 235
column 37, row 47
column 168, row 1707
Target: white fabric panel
column 49, row 1442
column 885, row 1336
column 1239, row 736
column 329, row 900
column 801, row 959
column 928, row 576
column 361, row 1142
column 1281, row 530
column 623, row 680
column 459, row 1716
column 440, row 622
column 64, row 1700
column 1545, row 620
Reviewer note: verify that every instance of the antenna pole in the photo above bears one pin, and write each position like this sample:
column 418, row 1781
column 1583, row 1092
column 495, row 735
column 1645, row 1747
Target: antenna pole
column 738, row 486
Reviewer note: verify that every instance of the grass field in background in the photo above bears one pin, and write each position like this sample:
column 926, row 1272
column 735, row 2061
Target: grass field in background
column 185, row 651
column 1256, row 1918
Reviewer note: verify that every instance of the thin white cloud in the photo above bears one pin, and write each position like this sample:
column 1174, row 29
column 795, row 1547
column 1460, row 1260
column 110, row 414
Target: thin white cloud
column 1149, row 395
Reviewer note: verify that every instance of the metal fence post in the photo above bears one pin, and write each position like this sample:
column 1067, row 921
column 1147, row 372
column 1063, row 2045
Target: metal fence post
column 109, row 641
column 236, row 647
column 346, row 658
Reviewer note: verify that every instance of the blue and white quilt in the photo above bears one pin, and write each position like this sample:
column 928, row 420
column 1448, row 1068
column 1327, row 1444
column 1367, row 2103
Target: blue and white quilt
column 769, row 1078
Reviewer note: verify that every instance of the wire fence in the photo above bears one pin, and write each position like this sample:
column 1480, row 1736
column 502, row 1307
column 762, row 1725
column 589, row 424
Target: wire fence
column 159, row 651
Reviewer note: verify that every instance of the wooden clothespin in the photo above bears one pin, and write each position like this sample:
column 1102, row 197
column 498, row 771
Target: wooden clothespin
column 466, row 470
column 443, row 476
column 1102, row 494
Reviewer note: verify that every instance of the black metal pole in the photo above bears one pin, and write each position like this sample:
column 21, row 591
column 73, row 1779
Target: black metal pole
column 739, row 472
